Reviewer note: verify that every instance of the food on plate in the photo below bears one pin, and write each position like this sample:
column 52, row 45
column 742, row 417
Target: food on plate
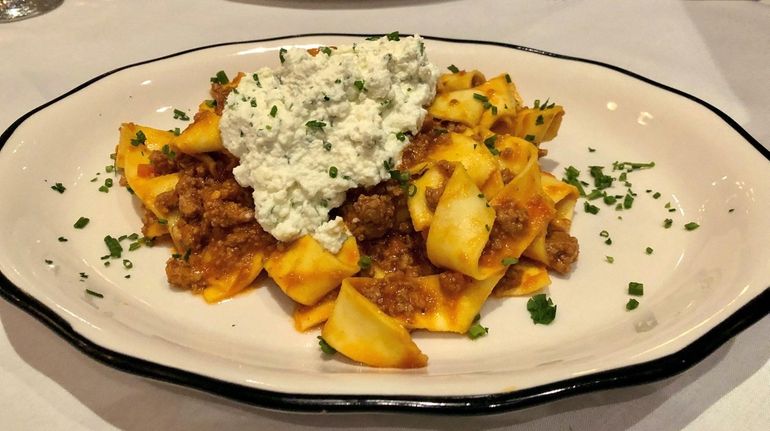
column 378, row 195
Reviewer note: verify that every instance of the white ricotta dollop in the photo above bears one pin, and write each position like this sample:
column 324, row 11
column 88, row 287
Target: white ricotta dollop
column 323, row 124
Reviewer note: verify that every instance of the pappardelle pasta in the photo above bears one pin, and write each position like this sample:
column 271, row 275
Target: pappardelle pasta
column 466, row 214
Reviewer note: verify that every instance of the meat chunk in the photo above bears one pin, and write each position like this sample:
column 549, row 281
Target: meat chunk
column 562, row 250
column 369, row 216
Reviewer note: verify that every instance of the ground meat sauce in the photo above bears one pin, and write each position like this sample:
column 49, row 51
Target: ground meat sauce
column 398, row 253
column 512, row 278
column 398, row 296
column 510, row 221
column 562, row 248
column 370, row 213
column 216, row 218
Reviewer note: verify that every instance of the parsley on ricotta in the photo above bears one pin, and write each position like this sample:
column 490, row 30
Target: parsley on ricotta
column 346, row 108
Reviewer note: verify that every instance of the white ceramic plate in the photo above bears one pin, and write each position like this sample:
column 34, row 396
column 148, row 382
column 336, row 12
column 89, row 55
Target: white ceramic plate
column 701, row 286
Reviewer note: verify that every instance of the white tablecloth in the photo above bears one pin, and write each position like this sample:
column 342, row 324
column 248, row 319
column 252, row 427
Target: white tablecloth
column 718, row 51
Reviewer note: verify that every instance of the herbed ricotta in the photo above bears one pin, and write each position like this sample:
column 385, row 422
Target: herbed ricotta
column 320, row 125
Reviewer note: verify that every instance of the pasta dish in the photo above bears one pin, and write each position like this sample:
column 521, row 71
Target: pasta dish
column 462, row 213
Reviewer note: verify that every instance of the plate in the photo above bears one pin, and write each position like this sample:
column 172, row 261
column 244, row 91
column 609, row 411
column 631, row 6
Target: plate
column 701, row 287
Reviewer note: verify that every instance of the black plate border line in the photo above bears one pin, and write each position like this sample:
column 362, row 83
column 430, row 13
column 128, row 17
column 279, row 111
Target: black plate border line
column 636, row 374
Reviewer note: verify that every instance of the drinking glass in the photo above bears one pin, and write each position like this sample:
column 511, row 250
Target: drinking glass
column 14, row 10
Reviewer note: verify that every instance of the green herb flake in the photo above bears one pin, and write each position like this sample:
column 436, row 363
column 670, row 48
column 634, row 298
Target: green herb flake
column 476, row 330
column 648, row 250
column 93, row 293
column 541, row 309
column 255, row 77
column 127, row 264
column 394, row 36
column 508, row 78
column 333, row 171
column 273, row 111
column 81, row 223
column 490, row 144
column 48, row 261
column 58, row 187
column 326, row 50
column 530, row 138
column 83, row 275
column 315, row 125
column 609, row 199
column 360, row 85
column 325, row 347
column 140, row 138
column 281, row 54
column 667, row 223
column 691, row 226
column 635, row 288
column 632, row 304
column 327, row 146
column 62, row 239
column 364, row 262
column 656, row 195
column 539, row 120
column 591, row 209
column 628, row 201
column 509, row 261
column 604, row 234
column 400, row 136
column 591, row 150
column 731, row 210
column 452, row 68
column 113, row 245
column 220, row 78
column 609, row 259
column 480, row 97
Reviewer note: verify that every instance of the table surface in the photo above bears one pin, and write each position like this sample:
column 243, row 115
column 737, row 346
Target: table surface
column 718, row 51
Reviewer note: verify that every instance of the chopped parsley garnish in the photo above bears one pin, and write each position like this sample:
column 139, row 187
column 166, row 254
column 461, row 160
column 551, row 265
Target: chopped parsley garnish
column 327, row 146
column 325, row 347
column 635, row 289
column 83, row 275
column 113, row 245
column 476, row 330
column 411, row 190
column 509, row 261
column 667, row 223
column 604, row 234
column 176, row 131
column 333, row 171
column 315, row 125
column 109, row 168
column 648, row 250
column 220, row 78
column 608, row 241
column 140, row 138
column 127, row 264
column 255, row 77
column 480, row 97
column 539, row 120
column 364, row 262
column 81, row 223
column 394, row 36
column 168, row 152
column 591, row 150
column 508, row 78
column 92, row 293
column 530, row 138
column 48, row 261
column 400, row 136
column 731, row 210
column 273, row 111
column 58, row 187
column 180, row 115
column 541, row 309
column 389, row 164
column 691, row 226
column 609, row 259
column 592, row 209
column 490, row 144
column 628, row 201
column 601, row 181
column 571, row 175
column 359, row 84
column 326, row 50
column 253, row 103
column 656, row 195
column 631, row 166
column 281, row 53
column 632, row 304
column 609, row 199
column 162, row 221
column 62, row 239
column 452, row 68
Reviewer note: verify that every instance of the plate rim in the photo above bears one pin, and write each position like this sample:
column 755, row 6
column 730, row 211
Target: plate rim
column 635, row 374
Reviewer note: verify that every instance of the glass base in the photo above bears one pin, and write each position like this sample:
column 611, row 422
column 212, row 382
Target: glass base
column 15, row 10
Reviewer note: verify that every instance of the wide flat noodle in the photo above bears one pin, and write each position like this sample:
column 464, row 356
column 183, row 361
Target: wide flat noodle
column 306, row 272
